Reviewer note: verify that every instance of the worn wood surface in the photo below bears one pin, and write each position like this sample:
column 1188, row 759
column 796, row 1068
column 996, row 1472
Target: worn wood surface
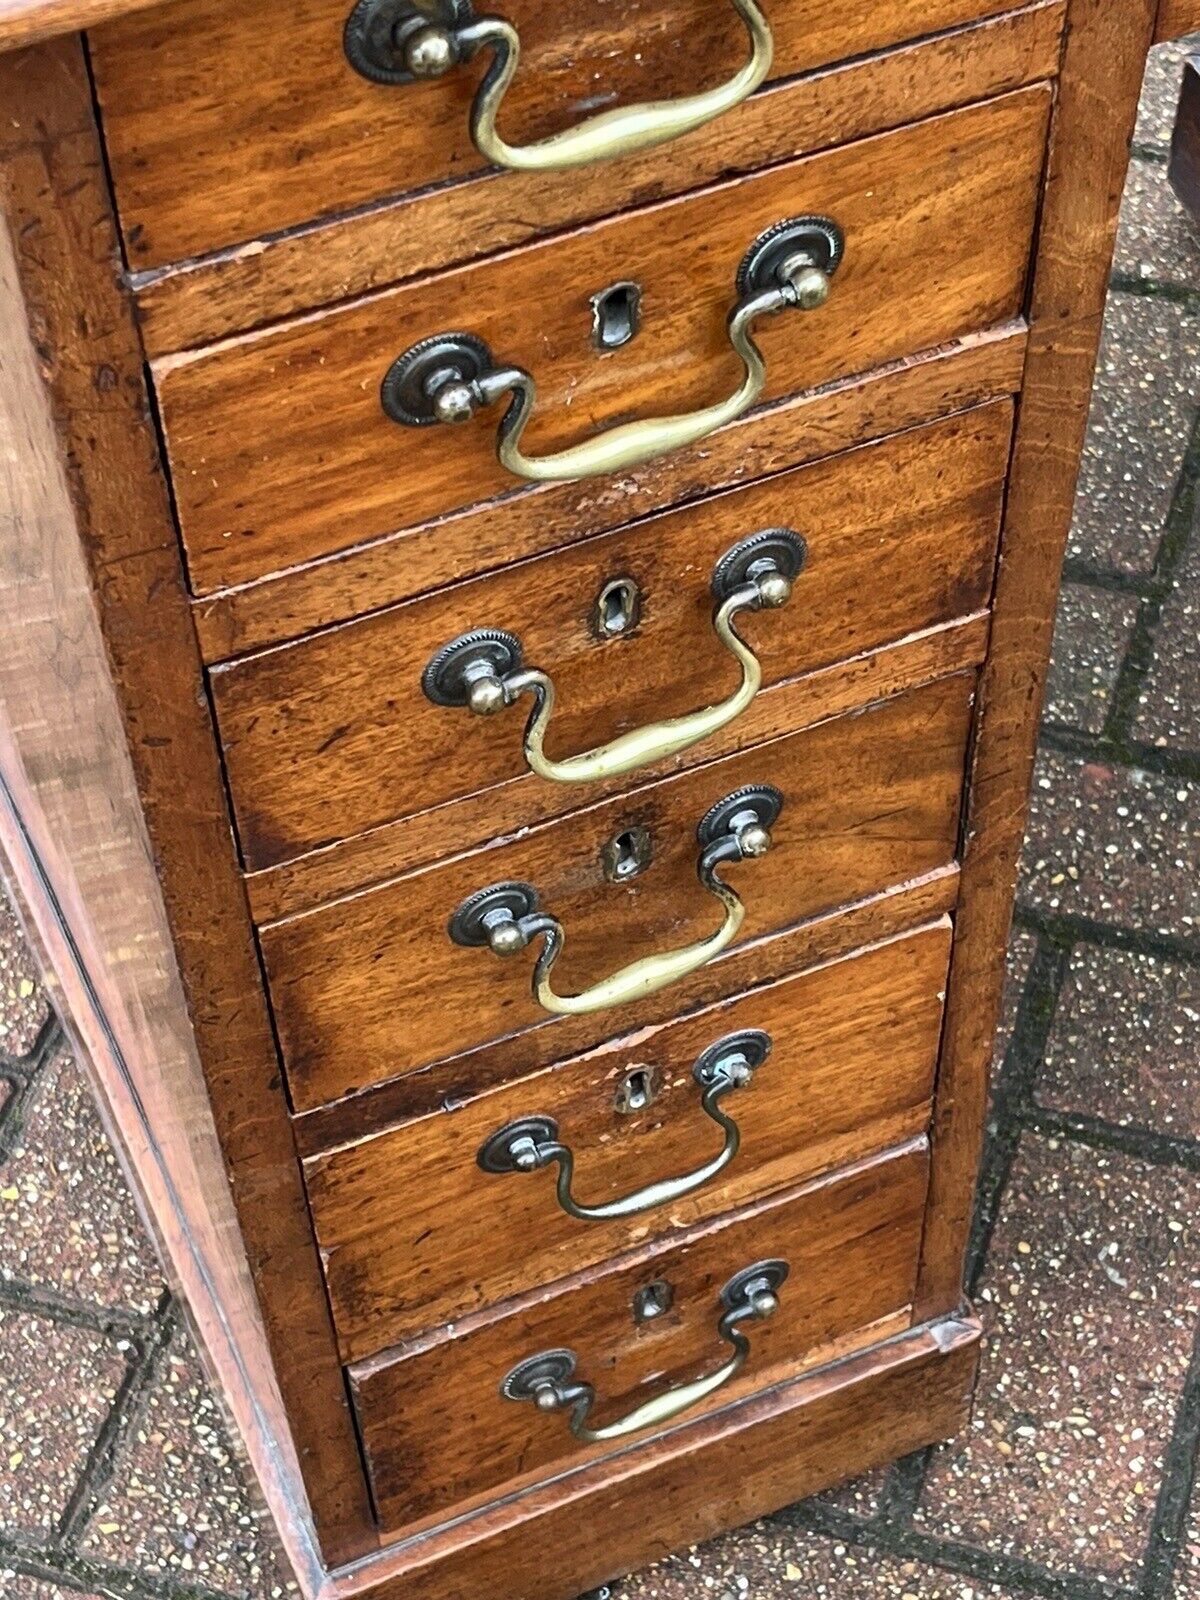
column 1177, row 18
column 850, row 1242
column 1089, row 154
column 79, row 866
column 888, row 399
column 827, row 937
column 58, row 215
column 370, row 858
column 414, row 1234
column 424, row 232
column 282, row 452
column 334, row 736
column 1185, row 142
column 372, row 987
column 29, row 22
column 224, row 126
column 726, row 1469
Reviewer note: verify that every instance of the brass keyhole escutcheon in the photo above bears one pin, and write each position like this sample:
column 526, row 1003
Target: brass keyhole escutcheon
column 639, row 1088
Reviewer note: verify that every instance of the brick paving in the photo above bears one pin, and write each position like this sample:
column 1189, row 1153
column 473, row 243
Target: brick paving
column 1077, row 1480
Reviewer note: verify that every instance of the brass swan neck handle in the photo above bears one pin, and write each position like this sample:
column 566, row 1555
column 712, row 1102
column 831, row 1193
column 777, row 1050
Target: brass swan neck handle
column 530, row 1143
column 483, row 670
column 449, row 377
column 396, row 42
column 505, row 917
column 547, row 1379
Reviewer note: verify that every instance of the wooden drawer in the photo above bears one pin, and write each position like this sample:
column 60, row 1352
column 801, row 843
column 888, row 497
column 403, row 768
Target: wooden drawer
column 438, row 1432
column 333, row 736
column 372, row 986
column 223, row 124
column 414, row 1233
column 280, row 446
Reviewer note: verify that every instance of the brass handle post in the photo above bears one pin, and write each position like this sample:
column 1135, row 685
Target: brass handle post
column 397, row 42
column 548, row 1378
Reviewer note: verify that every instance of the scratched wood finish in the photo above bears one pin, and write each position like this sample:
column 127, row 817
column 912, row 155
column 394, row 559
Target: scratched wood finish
column 397, row 847
column 224, row 125
column 120, row 542
column 889, row 399
column 414, row 1234
column 334, row 736
column 1177, row 18
column 29, row 22
column 851, row 1245
column 218, row 295
column 1088, row 161
column 739, row 1463
column 827, row 937
column 280, row 447
column 870, row 800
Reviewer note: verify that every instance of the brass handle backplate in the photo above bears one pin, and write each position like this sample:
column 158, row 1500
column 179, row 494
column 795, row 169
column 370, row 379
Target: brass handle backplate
column 398, row 41
column 546, row 1379
column 483, row 670
column 505, row 918
column 531, row 1143
column 448, row 377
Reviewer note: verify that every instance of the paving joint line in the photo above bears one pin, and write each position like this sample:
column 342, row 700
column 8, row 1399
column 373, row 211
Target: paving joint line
column 1177, row 294
column 50, row 1037
column 143, row 1363
column 1131, row 1139
column 112, row 1322
column 1139, row 653
column 90, row 1576
column 1011, row 1092
column 952, row 1555
column 1168, row 1529
column 1161, row 761
column 903, row 1489
column 1079, row 571
column 24, row 1074
column 1078, row 928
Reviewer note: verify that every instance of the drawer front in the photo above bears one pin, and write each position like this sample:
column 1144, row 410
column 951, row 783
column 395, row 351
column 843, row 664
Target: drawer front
column 439, row 1433
column 225, row 123
column 282, row 451
column 371, row 987
column 415, row 1232
column 334, row 735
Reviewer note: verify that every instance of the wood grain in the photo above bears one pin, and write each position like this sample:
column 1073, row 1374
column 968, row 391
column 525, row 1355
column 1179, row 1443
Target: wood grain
column 123, row 541
column 850, row 1241
column 414, row 1234
column 370, row 858
column 334, row 736
column 724, row 1470
column 1176, row 19
column 371, row 987
column 280, row 448
column 29, row 22
column 280, row 275
column 224, row 126
column 899, row 395
column 828, row 937
column 1089, row 154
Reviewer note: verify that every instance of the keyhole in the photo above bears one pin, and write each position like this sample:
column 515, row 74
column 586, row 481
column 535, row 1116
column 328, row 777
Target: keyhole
column 653, row 1301
column 624, row 856
column 638, row 1089
column 616, row 315
column 618, row 608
